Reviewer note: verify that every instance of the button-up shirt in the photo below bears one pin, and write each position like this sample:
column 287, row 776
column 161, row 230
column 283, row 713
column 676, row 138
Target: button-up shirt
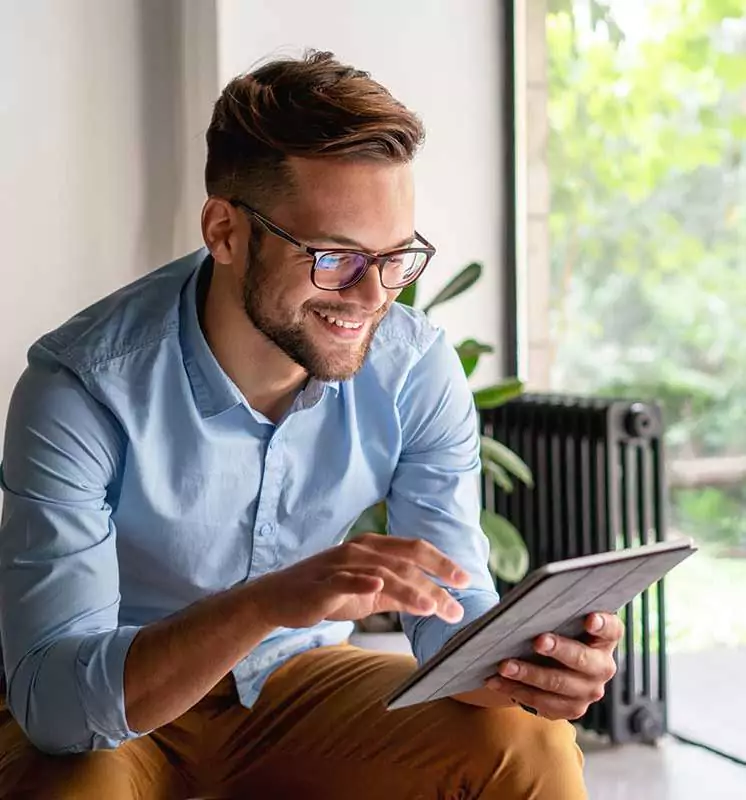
column 137, row 480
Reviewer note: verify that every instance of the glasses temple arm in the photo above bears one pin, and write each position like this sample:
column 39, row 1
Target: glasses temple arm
column 424, row 240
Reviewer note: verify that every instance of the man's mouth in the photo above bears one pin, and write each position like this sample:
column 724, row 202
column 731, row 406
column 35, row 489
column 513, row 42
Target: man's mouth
column 342, row 328
column 343, row 324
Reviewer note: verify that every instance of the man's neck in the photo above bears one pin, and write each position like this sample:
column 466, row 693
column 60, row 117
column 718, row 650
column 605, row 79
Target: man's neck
column 264, row 375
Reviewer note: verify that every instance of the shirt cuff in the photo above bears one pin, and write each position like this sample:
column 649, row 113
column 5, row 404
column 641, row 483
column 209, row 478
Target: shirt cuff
column 427, row 635
column 100, row 676
column 69, row 696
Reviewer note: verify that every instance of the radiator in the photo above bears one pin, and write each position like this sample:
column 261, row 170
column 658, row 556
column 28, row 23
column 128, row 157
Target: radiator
column 599, row 485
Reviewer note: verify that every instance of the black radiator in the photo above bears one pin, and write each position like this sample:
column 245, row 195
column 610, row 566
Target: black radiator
column 599, row 485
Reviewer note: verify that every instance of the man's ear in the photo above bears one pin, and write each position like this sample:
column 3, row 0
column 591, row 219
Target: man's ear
column 223, row 228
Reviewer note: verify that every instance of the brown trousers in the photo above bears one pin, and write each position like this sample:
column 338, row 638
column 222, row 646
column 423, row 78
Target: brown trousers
column 318, row 730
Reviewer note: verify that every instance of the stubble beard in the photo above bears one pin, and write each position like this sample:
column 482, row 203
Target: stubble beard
column 335, row 363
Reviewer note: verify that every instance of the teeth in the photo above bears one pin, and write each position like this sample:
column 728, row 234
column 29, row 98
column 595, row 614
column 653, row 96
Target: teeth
column 340, row 323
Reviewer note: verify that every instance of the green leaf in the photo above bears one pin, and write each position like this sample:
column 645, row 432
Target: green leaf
column 468, row 276
column 599, row 12
column 469, row 352
column 616, row 34
column 497, row 453
column 372, row 520
column 508, row 554
column 471, row 347
column 500, row 393
column 498, row 475
column 738, row 126
column 408, row 295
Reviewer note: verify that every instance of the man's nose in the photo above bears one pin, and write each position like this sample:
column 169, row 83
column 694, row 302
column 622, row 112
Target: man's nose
column 368, row 291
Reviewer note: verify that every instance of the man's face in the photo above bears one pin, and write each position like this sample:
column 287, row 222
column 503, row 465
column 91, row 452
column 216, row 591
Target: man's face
column 365, row 206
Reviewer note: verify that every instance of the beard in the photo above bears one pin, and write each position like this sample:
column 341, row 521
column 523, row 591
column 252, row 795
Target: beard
column 293, row 332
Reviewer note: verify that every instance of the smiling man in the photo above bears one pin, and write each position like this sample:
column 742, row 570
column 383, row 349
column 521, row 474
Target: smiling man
column 184, row 460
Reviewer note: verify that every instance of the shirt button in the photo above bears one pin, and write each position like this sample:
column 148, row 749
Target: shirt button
column 266, row 529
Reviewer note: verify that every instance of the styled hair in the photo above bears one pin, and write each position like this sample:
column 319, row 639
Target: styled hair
column 313, row 107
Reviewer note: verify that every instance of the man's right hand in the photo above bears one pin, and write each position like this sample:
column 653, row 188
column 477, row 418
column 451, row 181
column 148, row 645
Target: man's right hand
column 171, row 664
column 367, row 575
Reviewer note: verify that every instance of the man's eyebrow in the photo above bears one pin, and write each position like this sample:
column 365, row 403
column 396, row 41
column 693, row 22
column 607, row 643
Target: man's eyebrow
column 345, row 241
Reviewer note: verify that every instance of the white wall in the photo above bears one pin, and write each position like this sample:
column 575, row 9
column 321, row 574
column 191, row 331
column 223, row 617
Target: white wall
column 441, row 58
column 95, row 127
column 103, row 109
column 71, row 164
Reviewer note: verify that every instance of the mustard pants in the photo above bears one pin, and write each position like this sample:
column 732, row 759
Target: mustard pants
column 318, row 730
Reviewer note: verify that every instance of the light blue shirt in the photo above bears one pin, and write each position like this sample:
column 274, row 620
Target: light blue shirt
column 138, row 480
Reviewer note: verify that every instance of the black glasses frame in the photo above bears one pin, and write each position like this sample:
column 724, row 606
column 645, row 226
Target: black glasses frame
column 316, row 253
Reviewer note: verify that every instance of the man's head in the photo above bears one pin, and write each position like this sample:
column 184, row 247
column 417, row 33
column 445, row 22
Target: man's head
column 322, row 154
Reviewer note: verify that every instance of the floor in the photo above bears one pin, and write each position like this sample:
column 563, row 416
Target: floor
column 707, row 698
column 703, row 707
column 670, row 770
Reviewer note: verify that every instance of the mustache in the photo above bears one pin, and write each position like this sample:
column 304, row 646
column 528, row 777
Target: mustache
column 343, row 311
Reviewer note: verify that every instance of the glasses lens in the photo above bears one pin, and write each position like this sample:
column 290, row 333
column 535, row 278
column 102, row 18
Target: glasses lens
column 336, row 270
column 403, row 268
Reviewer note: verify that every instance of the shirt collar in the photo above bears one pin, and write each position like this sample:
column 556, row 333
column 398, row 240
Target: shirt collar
column 214, row 392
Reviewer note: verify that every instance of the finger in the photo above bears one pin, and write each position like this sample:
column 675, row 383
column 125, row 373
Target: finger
column 421, row 553
column 578, row 656
column 558, row 681
column 547, row 705
column 358, row 558
column 605, row 627
column 346, row 582
column 421, row 596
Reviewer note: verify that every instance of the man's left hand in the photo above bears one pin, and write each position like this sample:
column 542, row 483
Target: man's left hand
column 583, row 670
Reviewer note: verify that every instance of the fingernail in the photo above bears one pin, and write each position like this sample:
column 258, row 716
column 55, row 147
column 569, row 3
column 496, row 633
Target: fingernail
column 596, row 623
column 455, row 610
column 461, row 576
column 547, row 644
column 509, row 669
column 495, row 683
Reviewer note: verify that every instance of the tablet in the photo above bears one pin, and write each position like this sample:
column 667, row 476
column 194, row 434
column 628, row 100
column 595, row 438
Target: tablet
column 554, row 598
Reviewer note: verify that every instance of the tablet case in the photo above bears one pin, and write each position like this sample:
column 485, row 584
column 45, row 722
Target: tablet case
column 555, row 598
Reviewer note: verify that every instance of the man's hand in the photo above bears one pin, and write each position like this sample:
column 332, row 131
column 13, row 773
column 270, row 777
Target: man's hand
column 564, row 691
column 367, row 575
column 174, row 662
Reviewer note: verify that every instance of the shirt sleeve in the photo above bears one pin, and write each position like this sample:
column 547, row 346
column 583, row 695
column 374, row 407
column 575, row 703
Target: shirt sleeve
column 63, row 652
column 435, row 490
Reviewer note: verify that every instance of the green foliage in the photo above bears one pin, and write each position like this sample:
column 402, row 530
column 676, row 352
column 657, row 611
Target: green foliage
column 508, row 554
column 494, row 396
column 456, row 286
column 372, row 519
column 647, row 156
column 408, row 295
column 469, row 352
column 498, row 473
column 497, row 453
column 712, row 515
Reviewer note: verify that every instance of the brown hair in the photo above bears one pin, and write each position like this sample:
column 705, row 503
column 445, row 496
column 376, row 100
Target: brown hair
column 312, row 107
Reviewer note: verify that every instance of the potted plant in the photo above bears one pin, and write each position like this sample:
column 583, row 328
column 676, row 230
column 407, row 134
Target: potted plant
column 508, row 558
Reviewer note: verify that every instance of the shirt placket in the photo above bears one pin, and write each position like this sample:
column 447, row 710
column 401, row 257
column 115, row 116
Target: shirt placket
column 265, row 549
column 264, row 555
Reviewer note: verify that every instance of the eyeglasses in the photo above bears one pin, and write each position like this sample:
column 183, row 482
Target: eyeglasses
column 337, row 269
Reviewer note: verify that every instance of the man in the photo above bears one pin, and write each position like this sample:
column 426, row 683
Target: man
column 182, row 464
